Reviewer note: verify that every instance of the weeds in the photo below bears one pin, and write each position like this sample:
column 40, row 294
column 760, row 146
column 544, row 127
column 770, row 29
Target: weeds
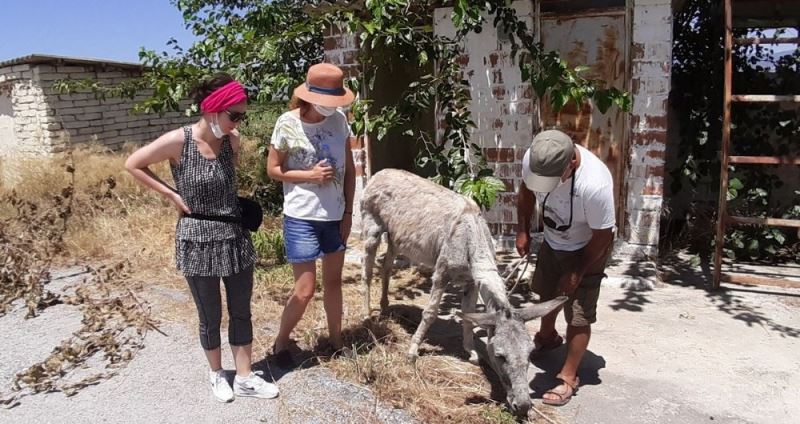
column 269, row 246
column 251, row 174
column 29, row 238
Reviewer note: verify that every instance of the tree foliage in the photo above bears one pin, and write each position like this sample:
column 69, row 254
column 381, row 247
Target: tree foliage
column 757, row 130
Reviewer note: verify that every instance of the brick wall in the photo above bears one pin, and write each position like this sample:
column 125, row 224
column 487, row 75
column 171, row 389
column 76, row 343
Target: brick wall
column 502, row 107
column 341, row 49
column 506, row 113
column 651, row 57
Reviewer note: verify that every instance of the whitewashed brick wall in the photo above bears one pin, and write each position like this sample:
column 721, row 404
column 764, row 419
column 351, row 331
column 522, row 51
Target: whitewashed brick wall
column 29, row 112
column 651, row 61
column 86, row 118
column 502, row 107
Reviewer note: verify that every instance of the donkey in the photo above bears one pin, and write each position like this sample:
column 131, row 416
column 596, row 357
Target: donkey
column 436, row 227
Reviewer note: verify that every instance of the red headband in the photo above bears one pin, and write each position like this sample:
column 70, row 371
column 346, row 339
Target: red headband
column 223, row 97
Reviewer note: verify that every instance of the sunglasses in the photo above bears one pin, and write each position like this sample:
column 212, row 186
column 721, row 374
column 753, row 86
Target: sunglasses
column 552, row 224
column 235, row 116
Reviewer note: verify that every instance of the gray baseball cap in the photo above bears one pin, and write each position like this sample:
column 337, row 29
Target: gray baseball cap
column 546, row 160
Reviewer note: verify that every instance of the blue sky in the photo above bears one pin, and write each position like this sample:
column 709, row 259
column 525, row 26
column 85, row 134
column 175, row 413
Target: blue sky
column 103, row 29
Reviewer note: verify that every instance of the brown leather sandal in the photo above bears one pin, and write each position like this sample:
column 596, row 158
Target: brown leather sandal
column 565, row 395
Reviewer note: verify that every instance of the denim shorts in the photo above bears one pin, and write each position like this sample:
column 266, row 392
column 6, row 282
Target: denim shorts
column 306, row 240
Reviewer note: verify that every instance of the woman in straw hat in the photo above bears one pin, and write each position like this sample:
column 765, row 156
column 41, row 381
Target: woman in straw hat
column 202, row 157
column 310, row 154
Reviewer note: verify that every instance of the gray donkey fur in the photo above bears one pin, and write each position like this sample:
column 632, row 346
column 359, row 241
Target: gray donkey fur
column 445, row 231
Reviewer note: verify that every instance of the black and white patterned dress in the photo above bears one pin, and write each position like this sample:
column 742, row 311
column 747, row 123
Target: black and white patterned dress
column 208, row 186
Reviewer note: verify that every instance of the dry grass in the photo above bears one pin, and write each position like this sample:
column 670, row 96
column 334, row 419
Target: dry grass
column 114, row 218
column 441, row 386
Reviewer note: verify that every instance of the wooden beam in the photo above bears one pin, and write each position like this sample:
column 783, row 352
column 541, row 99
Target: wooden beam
column 764, row 160
column 772, row 222
column 749, row 280
column 764, row 98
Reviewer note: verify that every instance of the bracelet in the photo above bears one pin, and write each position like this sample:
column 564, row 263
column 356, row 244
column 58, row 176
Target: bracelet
column 348, row 212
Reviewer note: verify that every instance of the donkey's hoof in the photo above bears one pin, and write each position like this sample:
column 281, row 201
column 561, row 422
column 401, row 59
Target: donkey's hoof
column 413, row 353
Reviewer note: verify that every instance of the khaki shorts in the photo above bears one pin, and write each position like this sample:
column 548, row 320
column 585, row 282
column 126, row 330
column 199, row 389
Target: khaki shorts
column 581, row 309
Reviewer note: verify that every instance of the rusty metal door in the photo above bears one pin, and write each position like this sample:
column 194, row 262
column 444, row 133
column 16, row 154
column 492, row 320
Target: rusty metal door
column 596, row 39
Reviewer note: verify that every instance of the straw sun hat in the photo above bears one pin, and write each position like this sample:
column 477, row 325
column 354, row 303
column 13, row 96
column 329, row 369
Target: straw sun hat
column 324, row 86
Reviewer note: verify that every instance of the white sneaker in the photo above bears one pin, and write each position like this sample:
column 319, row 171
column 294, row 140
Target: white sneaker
column 219, row 386
column 255, row 386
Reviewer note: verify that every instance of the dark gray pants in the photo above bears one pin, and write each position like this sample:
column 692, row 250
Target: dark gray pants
column 238, row 290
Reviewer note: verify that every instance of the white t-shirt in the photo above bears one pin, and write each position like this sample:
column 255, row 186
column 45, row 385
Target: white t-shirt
column 593, row 205
column 304, row 145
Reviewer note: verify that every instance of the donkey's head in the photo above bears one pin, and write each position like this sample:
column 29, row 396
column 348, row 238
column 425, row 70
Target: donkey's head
column 509, row 347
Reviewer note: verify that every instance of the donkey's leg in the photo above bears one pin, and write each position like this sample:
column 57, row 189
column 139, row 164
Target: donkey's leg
column 468, row 303
column 371, row 234
column 386, row 273
column 429, row 314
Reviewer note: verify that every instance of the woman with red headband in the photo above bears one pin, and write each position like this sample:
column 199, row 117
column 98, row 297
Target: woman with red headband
column 310, row 154
column 203, row 159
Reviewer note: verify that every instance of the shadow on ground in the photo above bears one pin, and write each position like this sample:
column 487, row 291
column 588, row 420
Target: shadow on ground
column 550, row 364
column 727, row 299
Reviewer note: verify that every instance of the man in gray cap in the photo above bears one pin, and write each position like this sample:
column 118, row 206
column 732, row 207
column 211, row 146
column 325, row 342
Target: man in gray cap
column 575, row 193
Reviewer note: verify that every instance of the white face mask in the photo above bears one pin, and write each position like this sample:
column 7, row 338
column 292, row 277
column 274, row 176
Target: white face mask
column 215, row 128
column 324, row 110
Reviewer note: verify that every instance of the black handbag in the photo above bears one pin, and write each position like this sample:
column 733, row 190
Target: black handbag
column 252, row 215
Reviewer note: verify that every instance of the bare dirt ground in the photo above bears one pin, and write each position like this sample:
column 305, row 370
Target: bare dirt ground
column 664, row 350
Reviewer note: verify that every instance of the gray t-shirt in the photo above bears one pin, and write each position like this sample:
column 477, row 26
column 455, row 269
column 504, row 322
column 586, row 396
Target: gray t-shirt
column 304, row 145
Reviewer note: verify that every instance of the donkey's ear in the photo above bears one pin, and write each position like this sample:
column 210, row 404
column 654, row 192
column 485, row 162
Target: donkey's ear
column 482, row 319
column 541, row 309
